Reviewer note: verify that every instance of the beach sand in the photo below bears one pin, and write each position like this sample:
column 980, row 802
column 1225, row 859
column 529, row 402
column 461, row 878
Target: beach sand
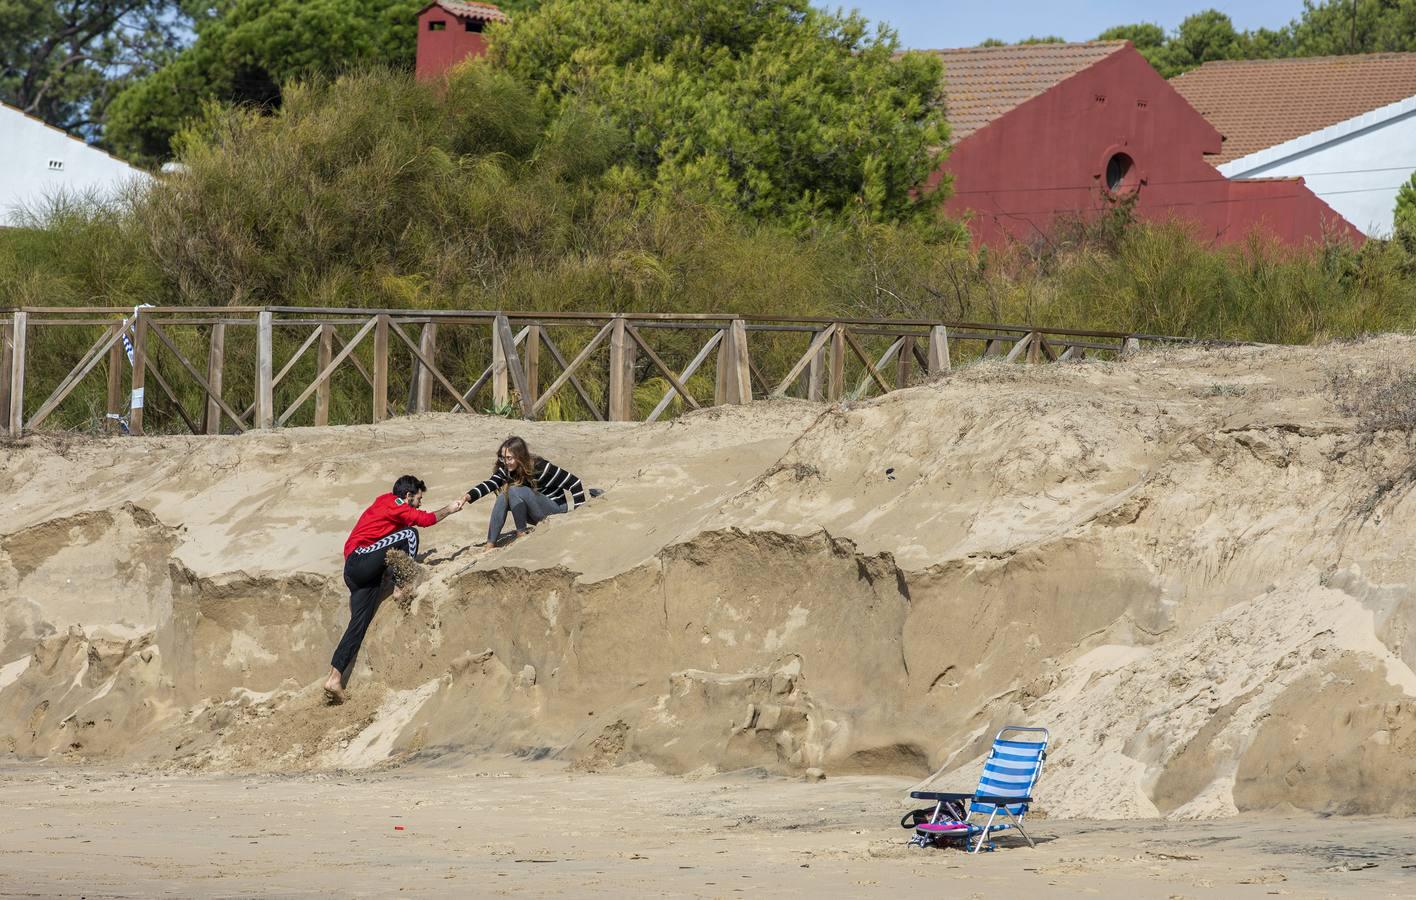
column 511, row 828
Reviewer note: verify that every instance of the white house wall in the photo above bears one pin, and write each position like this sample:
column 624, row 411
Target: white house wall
column 39, row 162
column 1356, row 166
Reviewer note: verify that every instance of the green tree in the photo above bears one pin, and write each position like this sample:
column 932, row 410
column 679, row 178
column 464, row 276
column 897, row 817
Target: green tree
column 1405, row 215
column 1327, row 28
column 1203, row 37
column 63, row 62
column 1366, row 26
column 246, row 49
column 772, row 107
column 1148, row 39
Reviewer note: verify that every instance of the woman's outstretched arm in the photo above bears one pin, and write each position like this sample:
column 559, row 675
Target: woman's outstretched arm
column 490, row 485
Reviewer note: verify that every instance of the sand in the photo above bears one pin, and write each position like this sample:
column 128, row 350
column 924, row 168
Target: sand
column 513, row 828
column 1184, row 565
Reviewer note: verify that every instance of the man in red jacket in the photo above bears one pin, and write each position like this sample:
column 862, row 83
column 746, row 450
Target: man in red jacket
column 389, row 527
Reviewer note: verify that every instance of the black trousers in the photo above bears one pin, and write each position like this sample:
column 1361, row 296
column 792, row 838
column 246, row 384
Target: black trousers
column 364, row 575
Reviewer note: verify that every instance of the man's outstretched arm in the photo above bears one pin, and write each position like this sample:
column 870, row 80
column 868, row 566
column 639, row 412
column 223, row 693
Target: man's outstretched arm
column 454, row 506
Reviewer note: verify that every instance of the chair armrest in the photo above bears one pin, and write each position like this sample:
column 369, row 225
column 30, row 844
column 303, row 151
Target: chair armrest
column 999, row 801
column 937, row 795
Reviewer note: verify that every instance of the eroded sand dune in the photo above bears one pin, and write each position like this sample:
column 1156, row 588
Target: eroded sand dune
column 1164, row 561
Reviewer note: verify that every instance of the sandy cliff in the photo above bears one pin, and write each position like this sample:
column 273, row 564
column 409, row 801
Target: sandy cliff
column 1174, row 563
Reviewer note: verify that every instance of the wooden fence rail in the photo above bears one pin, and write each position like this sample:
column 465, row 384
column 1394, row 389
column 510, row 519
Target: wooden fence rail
column 519, row 360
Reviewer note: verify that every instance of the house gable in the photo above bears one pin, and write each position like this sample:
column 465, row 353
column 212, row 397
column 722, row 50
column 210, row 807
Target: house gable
column 1108, row 130
column 39, row 162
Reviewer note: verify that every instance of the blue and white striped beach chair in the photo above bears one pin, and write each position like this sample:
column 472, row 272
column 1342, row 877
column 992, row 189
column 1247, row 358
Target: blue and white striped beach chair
column 1005, row 788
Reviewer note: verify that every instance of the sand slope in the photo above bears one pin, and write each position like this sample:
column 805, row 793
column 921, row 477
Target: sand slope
column 1162, row 561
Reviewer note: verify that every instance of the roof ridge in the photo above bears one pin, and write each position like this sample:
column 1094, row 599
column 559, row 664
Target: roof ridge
column 996, row 48
column 1334, row 57
column 73, row 137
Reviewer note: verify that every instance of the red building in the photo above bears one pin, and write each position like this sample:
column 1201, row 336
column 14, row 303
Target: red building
column 1043, row 131
column 450, row 31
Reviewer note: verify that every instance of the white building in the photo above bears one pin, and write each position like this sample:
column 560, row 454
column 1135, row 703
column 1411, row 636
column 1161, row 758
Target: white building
column 1345, row 124
column 38, row 162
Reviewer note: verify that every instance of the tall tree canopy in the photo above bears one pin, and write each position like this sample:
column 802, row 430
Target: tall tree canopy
column 1326, row 28
column 771, row 107
column 63, row 61
column 246, row 49
column 1368, row 26
column 1200, row 38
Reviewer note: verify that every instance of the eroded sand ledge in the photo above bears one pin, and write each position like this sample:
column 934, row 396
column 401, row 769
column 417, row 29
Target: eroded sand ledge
column 1160, row 560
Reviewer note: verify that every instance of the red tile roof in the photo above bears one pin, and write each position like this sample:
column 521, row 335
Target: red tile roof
column 1259, row 103
column 983, row 83
column 485, row 12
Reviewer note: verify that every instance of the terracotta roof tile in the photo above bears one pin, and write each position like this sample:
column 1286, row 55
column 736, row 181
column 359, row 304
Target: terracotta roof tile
column 983, row 83
column 485, row 12
column 1259, row 103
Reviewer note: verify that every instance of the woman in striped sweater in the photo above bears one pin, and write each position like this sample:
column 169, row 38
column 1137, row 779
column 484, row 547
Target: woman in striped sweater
column 527, row 486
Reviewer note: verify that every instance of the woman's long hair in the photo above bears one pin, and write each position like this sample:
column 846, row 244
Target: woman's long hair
column 525, row 463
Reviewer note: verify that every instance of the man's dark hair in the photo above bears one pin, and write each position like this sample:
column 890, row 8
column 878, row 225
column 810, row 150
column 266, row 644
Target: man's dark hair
column 408, row 484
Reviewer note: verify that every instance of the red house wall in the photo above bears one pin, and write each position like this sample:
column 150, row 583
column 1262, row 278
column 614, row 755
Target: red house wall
column 439, row 51
column 1047, row 158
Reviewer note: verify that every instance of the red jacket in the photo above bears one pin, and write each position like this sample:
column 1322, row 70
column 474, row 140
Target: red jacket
column 384, row 516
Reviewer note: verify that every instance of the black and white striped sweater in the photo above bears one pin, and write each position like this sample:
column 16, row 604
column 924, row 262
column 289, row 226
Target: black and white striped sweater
column 551, row 480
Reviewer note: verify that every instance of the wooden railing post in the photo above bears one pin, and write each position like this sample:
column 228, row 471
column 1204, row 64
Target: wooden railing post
column 837, row 385
column 724, row 364
column 216, row 361
column 622, row 353
column 138, row 398
column 422, row 378
column 1130, row 346
column 265, row 370
column 734, row 384
column 501, row 389
column 114, row 405
column 743, row 372
column 815, row 375
column 938, row 354
column 904, row 363
column 1035, row 347
column 7, row 366
column 323, row 355
column 380, row 369
column 532, row 359
column 19, row 322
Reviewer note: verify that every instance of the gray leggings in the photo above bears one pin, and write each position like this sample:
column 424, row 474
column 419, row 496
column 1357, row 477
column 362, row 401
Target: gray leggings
column 527, row 507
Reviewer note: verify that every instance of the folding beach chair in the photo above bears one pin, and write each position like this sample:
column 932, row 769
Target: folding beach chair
column 1005, row 788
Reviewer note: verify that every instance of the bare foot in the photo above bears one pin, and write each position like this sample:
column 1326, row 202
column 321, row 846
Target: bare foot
column 334, row 688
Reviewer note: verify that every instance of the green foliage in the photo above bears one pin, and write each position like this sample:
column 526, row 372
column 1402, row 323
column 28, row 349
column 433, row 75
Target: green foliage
column 244, row 54
column 63, row 62
column 1203, row 37
column 770, row 107
column 1329, row 27
column 1378, row 26
column 1405, row 215
column 1145, row 35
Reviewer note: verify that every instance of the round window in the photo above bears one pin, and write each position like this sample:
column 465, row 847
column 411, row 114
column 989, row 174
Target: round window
column 1120, row 173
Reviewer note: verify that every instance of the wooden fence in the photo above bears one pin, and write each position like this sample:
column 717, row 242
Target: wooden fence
column 595, row 365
